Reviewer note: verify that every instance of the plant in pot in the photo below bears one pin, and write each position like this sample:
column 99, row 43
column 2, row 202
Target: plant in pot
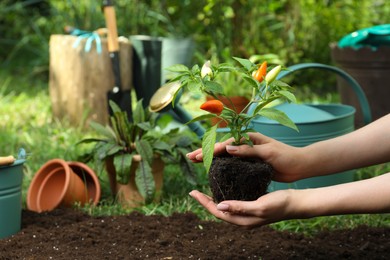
column 234, row 97
column 233, row 177
column 135, row 152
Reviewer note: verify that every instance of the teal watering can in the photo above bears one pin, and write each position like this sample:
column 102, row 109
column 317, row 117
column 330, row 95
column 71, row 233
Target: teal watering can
column 316, row 122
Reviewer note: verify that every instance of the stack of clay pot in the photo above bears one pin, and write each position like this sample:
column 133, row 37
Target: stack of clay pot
column 60, row 183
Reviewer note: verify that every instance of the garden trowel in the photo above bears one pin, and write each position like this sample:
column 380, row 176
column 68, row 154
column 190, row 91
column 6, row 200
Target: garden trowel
column 116, row 94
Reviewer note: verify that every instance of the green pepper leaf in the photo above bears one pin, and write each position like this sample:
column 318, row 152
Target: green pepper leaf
column 194, row 87
column 214, row 87
column 278, row 116
column 288, row 95
column 178, row 68
column 247, row 64
column 252, row 82
column 225, row 67
column 280, row 84
column 225, row 137
column 208, row 143
column 195, row 69
column 200, row 118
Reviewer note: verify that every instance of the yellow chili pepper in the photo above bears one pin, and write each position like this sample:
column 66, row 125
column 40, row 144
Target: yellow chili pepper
column 272, row 74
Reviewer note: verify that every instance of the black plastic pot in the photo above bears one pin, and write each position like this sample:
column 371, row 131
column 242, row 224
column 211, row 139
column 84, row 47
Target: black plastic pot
column 146, row 66
column 152, row 55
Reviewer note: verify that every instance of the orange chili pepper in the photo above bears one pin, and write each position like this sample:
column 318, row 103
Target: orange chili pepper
column 213, row 106
column 260, row 73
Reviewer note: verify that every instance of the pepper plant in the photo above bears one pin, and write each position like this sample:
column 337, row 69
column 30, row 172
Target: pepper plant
column 265, row 89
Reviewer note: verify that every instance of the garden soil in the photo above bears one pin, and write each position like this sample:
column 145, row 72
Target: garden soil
column 70, row 234
column 236, row 178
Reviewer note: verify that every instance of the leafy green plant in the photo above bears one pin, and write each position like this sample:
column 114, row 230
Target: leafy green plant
column 123, row 139
column 265, row 89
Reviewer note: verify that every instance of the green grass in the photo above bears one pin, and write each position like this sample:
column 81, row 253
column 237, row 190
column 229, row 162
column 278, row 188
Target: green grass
column 26, row 121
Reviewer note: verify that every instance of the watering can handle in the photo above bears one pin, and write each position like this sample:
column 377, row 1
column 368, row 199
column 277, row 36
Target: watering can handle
column 352, row 82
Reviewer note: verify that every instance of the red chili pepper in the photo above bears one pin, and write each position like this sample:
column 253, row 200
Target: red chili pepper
column 260, row 73
column 213, row 106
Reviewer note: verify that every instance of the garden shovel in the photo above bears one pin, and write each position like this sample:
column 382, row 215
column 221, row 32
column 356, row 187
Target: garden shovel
column 116, row 94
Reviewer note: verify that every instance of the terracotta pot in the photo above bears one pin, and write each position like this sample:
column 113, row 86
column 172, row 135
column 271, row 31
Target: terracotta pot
column 56, row 184
column 237, row 103
column 88, row 176
column 127, row 194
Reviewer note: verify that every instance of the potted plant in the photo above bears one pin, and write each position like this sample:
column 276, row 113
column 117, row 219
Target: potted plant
column 135, row 152
column 236, row 178
column 236, row 96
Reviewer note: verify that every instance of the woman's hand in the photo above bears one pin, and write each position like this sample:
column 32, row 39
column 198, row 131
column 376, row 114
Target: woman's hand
column 366, row 146
column 270, row 208
column 286, row 160
column 358, row 197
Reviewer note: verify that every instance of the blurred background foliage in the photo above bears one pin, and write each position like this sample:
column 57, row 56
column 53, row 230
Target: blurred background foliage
column 296, row 30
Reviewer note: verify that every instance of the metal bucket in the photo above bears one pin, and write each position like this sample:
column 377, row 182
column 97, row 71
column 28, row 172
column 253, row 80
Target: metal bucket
column 11, row 178
column 316, row 122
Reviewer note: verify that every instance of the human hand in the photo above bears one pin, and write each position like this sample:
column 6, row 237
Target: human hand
column 288, row 162
column 270, row 208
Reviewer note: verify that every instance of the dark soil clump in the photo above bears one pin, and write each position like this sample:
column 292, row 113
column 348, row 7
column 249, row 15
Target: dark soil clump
column 234, row 178
column 69, row 234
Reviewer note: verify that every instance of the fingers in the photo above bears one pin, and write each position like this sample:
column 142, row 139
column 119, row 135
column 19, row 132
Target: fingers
column 244, row 208
column 195, row 156
column 242, row 213
column 207, row 202
column 219, row 148
column 258, row 138
column 242, row 150
column 229, row 211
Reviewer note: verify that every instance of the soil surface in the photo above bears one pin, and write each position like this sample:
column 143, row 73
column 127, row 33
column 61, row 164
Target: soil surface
column 70, row 234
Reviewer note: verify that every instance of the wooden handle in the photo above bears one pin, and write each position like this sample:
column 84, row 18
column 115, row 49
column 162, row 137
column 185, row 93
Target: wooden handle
column 5, row 160
column 109, row 14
